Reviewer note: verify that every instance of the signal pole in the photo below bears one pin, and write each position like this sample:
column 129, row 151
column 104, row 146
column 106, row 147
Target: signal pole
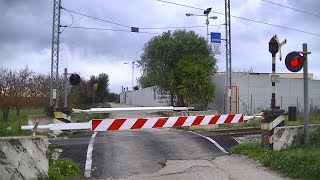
column 272, row 117
column 305, row 92
column 55, row 53
column 228, row 55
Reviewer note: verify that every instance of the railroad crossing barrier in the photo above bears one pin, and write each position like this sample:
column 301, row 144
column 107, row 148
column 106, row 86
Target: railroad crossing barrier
column 143, row 123
column 162, row 122
column 109, row 110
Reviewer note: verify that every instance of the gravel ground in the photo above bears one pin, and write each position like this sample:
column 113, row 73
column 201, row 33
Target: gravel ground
column 254, row 138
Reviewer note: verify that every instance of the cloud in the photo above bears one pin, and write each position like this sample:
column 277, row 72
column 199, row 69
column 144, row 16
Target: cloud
column 26, row 30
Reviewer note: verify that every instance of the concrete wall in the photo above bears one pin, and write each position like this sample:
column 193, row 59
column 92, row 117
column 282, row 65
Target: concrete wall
column 151, row 96
column 23, row 158
column 287, row 136
column 255, row 93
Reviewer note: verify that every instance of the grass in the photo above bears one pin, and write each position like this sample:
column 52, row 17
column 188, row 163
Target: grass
column 62, row 168
column 251, row 123
column 314, row 118
column 296, row 162
column 12, row 127
column 88, row 117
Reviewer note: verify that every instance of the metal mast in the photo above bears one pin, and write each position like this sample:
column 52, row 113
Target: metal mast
column 55, row 53
column 228, row 55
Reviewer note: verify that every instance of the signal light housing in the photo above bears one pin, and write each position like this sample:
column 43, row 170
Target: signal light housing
column 294, row 61
column 273, row 46
column 74, row 79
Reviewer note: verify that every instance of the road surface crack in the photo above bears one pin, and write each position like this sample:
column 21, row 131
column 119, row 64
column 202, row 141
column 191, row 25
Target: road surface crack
column 184, row 171
column 222, row 170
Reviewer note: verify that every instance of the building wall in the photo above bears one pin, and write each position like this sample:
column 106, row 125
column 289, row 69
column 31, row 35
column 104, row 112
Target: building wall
column 151, row 96
column 255, row 92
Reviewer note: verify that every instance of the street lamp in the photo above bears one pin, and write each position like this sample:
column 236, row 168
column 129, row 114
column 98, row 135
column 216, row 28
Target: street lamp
column 133, row 64
column 205, row 13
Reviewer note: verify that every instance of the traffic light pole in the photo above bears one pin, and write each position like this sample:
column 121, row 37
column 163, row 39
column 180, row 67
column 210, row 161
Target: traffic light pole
column 305, row 92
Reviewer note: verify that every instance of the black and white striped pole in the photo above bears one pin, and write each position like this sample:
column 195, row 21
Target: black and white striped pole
column 272, row 117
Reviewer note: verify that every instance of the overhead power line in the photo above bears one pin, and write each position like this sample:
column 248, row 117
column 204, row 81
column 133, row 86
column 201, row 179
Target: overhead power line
column 275, row 25
column 111, row 22
column 103, row 20
column 178, row 27
column 295, row 9
column 243, row 18
column 107, row 29
column 192, row 7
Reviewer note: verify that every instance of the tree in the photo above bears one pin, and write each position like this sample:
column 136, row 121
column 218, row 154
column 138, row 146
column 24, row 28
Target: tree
column 6, row 92
column 38, row 90
column 80, row 96
column 190, row 80
column 20, row 85
column 163, row 52
column 102, row 91
column 113, row 97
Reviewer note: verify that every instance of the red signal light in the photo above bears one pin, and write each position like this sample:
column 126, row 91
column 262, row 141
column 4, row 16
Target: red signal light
column 294, row 62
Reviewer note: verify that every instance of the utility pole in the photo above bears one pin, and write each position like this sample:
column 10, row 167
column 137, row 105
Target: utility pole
column 65, row 87
column 228, row 55
column 55, row 53
column 132, row 80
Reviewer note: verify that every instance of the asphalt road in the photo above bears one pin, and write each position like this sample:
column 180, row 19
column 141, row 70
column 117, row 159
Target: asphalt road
column 128, row 153
column 157, row 154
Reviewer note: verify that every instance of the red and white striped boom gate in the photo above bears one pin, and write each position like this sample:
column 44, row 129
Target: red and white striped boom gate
column 142, row 123
column 162, row 122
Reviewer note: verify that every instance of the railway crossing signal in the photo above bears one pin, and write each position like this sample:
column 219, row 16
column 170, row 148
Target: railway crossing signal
column 273, row 45
column 294, row 61
column 74, row 79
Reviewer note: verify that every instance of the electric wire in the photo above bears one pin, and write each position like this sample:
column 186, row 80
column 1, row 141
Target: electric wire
column 287, row 7
column 71, row 20
column 107, row 29
column 99, row 19
column 107, row 21
column 243, row 18
column 179, row 27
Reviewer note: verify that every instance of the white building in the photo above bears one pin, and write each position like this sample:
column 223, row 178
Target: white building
column 251, row 93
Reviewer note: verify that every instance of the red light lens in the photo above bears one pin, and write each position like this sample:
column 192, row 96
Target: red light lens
column 294, row 63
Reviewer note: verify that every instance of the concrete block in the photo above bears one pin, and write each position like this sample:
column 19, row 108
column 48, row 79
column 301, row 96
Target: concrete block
column 287, row 136
column 23, row 158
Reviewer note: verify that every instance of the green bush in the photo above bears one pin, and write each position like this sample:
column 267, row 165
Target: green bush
column 296, row 162
column 62, row 169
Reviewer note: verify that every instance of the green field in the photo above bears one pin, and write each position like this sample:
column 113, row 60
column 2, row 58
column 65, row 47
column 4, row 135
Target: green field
column 12, row 127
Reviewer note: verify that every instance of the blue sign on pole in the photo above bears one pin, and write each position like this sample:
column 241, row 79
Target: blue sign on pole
column 215, row 37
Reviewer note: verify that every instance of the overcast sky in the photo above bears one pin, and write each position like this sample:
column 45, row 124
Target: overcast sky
column 26, row 30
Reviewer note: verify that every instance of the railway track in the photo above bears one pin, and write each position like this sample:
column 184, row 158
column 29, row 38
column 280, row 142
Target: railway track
column 239, row 131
